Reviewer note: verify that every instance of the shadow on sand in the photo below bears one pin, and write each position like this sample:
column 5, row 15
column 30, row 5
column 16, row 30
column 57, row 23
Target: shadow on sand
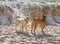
column 42, row 36
column 35, row 36
column 23, row 33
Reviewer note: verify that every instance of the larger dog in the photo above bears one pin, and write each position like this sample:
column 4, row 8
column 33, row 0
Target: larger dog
column 40, row 21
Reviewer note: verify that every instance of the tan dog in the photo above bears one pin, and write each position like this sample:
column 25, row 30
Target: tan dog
column 36, row 22
column 22, row 23
column 41, row 18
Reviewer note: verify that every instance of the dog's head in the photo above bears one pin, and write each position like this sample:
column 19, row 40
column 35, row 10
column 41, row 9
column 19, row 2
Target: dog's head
column 56, row 10
column 46, row 10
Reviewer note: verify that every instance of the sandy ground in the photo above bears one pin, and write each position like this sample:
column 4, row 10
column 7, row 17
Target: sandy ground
column 8, row 35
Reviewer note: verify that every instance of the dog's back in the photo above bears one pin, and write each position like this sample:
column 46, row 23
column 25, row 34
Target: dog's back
column 40, row 21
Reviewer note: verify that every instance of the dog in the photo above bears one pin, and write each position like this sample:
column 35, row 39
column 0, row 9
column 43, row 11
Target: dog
column 39, row 21
column 40, row 18
column 21, row 24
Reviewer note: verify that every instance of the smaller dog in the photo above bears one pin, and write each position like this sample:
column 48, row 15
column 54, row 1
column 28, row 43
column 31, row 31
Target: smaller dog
column 21, row 24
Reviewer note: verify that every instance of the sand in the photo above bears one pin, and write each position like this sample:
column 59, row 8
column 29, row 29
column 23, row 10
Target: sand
column 8, row 35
